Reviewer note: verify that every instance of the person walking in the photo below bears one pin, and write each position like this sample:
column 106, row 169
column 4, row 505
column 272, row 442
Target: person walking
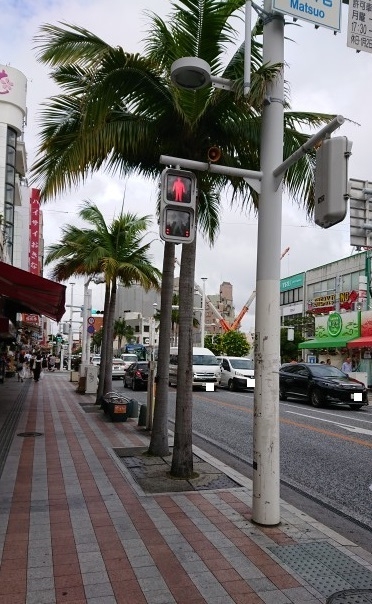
column 37, row 366
column 347, row 366
column 51, row 362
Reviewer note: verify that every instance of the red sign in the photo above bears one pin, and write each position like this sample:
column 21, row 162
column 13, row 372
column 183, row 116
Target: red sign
column 34, row 264
column 31, row 319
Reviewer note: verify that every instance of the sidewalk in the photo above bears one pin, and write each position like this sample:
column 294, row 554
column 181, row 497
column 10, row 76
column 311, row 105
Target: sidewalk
column 76, row 526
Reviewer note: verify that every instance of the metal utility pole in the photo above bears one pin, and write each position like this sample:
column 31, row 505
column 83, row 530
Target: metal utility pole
column 194, row 73
column 70, row 329
column 203, row 313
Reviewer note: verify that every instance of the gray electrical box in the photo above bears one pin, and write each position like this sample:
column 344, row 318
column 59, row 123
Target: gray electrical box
column 331, row 181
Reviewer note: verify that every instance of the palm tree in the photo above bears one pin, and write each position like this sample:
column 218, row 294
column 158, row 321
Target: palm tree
column 119, row 111
column 122, row 330
column 117, row 251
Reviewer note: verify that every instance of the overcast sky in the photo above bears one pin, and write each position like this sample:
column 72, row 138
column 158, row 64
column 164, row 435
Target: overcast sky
column 324, row 76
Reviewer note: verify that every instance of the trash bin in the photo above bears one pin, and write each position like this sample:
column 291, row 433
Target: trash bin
column 116, row 406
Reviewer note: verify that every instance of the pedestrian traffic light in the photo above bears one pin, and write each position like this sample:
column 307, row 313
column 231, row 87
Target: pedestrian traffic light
column 178, row 206
column 331, row 181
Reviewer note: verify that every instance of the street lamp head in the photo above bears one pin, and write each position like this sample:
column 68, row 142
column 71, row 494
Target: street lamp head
column 191, row 73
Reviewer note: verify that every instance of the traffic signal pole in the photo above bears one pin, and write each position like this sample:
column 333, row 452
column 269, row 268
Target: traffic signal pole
column 268, row 183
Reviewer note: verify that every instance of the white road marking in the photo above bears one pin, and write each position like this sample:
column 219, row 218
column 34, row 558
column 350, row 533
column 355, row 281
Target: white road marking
column 328, row 421
column 361, row 418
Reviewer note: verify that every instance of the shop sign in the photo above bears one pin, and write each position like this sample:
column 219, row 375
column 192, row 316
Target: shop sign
column 366, row 324
column 337, row 325
column 292, row 282
column 327, row 303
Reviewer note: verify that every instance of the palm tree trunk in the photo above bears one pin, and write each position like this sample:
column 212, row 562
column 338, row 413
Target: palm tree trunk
column 159, row 435
column 110, row 339
column 182, row 462
column 101, row 382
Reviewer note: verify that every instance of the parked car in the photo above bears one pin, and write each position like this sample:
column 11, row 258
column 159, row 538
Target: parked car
column 96, row 360
column 118, row 369
column 128, row 359
column 137, row 375
column 321, row 384
column 237, row 373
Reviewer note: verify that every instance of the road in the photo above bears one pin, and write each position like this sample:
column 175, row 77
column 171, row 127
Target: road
column 326, row 454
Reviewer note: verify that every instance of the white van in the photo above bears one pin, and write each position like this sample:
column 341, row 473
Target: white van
column 128, row 359
column 205, row 367
column 237, row 373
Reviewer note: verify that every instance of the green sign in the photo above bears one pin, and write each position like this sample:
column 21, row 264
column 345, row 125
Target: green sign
column 292, row 282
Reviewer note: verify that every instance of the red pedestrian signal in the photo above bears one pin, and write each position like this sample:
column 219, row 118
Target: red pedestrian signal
column 178, row 206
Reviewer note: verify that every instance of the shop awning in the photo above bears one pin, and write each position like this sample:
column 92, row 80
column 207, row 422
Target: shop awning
column 324, row 343
column 364, row 342
column 39, row 295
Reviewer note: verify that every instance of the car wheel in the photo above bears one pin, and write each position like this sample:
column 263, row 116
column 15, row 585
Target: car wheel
column 134, row 387
column 357, row 407
column 282, row 395
column 316, row 399
column 230, row 385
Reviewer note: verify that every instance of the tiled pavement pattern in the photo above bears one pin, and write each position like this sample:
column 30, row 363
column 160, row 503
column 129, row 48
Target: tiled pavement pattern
column 75, row 528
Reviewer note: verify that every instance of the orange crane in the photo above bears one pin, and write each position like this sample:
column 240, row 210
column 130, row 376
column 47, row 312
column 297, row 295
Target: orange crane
column 236, row 323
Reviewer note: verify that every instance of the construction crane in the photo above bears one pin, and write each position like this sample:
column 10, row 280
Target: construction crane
column 236, row 323
column 224, row 324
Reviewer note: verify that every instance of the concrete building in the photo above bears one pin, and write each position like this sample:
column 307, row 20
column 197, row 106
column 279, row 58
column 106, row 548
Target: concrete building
column 24, row 295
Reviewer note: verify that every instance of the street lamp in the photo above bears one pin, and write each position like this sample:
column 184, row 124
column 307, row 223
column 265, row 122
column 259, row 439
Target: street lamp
column 70, row 329
column 190, row 73
column 203, row 312
column 186, row 73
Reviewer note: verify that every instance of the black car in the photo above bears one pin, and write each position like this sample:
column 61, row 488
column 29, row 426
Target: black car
column 321, row 384
column 137, row 375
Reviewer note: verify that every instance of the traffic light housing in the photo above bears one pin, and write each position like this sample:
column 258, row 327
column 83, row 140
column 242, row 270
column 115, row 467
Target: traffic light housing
column 331, row 181
column 178, row 206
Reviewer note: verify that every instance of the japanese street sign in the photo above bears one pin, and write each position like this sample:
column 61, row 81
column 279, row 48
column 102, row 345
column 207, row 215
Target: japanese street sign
column 91, row 320
column 325, row 13
column 90, row 329
column 359, row 26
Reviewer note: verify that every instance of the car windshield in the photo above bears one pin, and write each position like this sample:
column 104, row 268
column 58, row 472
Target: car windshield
column 129, row 358
column 117, row 362
column 242, row 363
column 204, row 359
column 143, row 365
column 327, row 371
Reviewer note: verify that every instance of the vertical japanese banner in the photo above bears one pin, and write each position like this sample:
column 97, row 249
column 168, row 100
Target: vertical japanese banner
column 34, row 264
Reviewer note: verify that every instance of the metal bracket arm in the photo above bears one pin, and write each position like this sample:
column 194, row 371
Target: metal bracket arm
column 248, row 175
column 310, row 143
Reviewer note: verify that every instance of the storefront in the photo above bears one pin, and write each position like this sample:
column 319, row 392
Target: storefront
column 361, row 348
column 333, row 334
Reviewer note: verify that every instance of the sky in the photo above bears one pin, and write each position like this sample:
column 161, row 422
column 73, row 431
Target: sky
column 323, row 75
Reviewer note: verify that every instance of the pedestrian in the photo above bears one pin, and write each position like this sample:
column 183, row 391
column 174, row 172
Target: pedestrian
column 347, row 366
column 20, row 368
column 37, row 366
column 328, row 361
column 51, row 362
